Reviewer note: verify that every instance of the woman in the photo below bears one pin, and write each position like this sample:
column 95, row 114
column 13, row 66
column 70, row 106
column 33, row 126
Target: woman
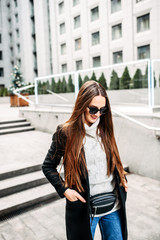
column 92, row 166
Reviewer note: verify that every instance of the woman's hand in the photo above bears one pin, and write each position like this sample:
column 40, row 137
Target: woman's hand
column 73, row 196
column 125, row 186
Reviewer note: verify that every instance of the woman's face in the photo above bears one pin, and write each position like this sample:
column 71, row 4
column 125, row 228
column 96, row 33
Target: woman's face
column 99, row 102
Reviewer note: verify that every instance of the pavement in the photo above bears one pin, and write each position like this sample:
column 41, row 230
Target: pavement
column 47, row 221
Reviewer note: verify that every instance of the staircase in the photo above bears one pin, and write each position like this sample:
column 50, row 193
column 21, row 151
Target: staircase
column 15, row 126
column 22, row 189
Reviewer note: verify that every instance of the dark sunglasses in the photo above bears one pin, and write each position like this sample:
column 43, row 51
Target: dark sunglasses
column 94, row 110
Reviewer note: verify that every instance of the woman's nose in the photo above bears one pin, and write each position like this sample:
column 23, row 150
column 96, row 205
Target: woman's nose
column 98, row 114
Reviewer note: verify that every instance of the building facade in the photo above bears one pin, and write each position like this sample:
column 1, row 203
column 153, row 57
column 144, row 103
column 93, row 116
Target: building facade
column 45, row 37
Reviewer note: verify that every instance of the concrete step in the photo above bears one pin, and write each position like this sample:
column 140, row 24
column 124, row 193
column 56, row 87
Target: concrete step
column 14, row 171
column 13, row 121
column 157, row 133
column 22, row 182
column 16, row 130
column 13, row 203
column 14, row 125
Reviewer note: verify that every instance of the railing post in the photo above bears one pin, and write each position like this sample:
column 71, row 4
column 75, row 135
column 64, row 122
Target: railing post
column 152, row 82
column 36, row 91
column 76, row 84
column 149, row 83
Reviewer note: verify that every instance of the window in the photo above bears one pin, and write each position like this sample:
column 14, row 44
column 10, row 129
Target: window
column 16, row 16
column 144, row 52
column 79, row 65
column 78, row 44
column 0, row 38
column 15, row 3
column 117, row 57
column 97, row 61
column 117, row 31
column 17, row 33
column 95, row 38
column 62, row 28
column 19, row 62
column 8, row 6
column 10, row 22
column 115, row 5
column 63, row 48
column 18, row 48
column 143, row 23
column 94, row 13
column 12, row 63
column 10, row 37
column 1, row 72
column 64, row 68
column 137, row 1
column 61, row 7
column 75, row 2
column 77, row 22
column 11, row 49
column 1, row 55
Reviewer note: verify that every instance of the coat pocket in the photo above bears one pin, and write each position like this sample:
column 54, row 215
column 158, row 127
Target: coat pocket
column 77, row 220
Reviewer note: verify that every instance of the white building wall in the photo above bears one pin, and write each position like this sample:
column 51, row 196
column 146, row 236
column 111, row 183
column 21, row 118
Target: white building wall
column 5, row 45
column 42, row 37
column 38, row 62
column 26, row 41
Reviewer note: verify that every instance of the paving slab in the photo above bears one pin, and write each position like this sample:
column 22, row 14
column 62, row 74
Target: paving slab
column 48, row 221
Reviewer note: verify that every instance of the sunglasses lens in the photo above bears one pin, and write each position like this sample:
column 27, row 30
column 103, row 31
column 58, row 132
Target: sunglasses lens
column 93, row 110
column 103, row 110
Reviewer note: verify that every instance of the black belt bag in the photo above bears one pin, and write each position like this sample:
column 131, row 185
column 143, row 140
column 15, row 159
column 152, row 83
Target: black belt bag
column 102, row 203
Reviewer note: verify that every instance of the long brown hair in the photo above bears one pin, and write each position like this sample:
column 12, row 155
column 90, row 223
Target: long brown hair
column 74, row 159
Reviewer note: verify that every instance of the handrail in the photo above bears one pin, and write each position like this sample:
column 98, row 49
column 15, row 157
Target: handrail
column 136, row 122
column 21, row 96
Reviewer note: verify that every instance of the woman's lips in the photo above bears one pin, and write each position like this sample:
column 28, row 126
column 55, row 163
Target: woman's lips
column 93, row 117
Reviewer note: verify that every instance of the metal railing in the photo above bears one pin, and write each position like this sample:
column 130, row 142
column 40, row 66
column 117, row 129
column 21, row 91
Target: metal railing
column 16, row 92
column 150, row 90
column 155, row 129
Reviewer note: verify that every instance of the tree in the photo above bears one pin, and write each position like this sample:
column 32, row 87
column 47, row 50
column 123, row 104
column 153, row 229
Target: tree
column 137, row 79
column 125, row 79
column 58, row 86
column 70, row 86
column 31, row 90
column 102, row 81
column 53, row 85
column 39, row 87
column 86, row 79
column 145, row 78
column 155, row 81
column 80, row 81
column 93, row 77
column 17, row 80
column 3, row 92
column 44, row 87
column 47, row 86
column 114, row 83
column 64, row 85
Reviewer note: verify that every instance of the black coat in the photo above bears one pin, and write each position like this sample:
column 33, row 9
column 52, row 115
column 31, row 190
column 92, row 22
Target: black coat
column 77, row 213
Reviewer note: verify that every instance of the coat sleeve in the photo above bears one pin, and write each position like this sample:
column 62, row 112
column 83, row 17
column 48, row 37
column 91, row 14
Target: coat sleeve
column 52, row 160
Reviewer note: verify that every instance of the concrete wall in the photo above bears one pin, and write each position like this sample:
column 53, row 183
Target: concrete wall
column 138, row 147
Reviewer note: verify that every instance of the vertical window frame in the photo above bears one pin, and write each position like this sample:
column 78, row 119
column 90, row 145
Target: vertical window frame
column 115, row 57
column 93, row 18
column 77, row 24
column 140, row 51
column 94, row 59
column 94, row 40
column 141, row 22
